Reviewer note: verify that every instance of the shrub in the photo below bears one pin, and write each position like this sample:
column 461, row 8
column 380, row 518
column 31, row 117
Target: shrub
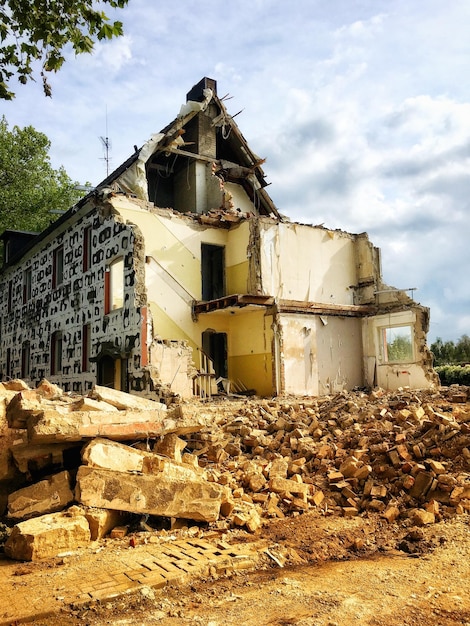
column 453, row 374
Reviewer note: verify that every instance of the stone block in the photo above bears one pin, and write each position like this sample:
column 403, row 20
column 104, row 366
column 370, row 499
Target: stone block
column 196, row 499
column 420, row 517
column 48, row 390
column 49, row 426
column 89, row 404
column 284, row 485
column 47, row 496
column 22, row 406
column 111, row 455
column 124, row 401
column 103, row 521
column 30, row 458
column 423, row 484
column 171, row 446
column 47, row 536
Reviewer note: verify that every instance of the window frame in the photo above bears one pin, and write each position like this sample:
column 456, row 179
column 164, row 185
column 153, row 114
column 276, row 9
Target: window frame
column 27, row 284
column 384, row 343
column 87, row 253
column 114, row 285
column 58, row 267
column 56, row 353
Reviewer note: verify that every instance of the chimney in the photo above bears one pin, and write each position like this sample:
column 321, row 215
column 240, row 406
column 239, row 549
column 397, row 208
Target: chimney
column 195, row 94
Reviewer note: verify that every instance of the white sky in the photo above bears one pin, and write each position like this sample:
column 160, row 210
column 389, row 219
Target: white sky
column 361, row 108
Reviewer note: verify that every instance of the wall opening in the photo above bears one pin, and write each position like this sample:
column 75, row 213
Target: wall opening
column 86, row 347
column 58, row 267
column 56, row 352
column 213, row 271
column 215, row 346
column 114, row 286
column 396, row 344
column 25, row 359
column 106, row 372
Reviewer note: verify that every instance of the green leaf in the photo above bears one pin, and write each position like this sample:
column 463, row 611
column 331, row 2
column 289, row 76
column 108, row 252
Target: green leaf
column 40, row 30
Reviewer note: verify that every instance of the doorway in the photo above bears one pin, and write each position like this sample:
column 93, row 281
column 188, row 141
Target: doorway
column 213, row 271
column 215, row 346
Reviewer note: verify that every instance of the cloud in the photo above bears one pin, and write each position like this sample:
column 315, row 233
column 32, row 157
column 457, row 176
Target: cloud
column 362, row 111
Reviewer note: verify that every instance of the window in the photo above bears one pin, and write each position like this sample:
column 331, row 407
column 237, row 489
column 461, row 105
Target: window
column 27, row 284
column 10, row 296
column 25, row 360
column 56, row 352
column 213, row 271
column 86, row 346
column 58, row 267
column 86, row 248
column 8, row 367
column 114, row 286
column 397, row 344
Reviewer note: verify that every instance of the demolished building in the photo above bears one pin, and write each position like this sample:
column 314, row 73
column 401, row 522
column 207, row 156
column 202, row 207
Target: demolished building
column 178, row 274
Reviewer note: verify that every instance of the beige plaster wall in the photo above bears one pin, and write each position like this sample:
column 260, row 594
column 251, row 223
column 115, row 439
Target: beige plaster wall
column 413, row 373
column 300, row 262
column 321, row 355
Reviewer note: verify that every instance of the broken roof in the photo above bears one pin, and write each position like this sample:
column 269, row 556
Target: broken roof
column 130, row 177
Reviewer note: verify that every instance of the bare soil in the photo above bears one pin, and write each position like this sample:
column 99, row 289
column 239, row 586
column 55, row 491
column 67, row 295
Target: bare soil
column 335, row 571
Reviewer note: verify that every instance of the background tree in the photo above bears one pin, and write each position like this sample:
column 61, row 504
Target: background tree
column 448, row 352
column 29, row 186
column 400, row 349
column 36, row 31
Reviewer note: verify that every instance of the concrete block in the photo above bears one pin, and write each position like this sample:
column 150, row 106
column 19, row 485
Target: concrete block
column 156, row 495
column 47, row 536
column 47, row 496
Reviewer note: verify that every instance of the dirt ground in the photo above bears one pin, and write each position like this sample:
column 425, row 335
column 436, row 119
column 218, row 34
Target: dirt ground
column 335, row 572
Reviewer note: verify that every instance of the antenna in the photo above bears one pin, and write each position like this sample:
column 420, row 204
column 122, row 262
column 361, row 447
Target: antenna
column 106, row 146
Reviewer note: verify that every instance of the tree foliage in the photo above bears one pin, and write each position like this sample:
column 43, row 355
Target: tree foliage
column 29, row 186
column 37, row 31
column 400, row 349
column 449, row 352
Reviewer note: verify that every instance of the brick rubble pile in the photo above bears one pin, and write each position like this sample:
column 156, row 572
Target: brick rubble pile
column 237, row 462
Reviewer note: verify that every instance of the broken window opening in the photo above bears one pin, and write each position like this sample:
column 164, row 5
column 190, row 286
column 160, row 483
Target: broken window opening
column 215, row 346
column 86, row 347
column 10, row 296
column 106, row 372
column 27, row 284
column 396, row 343
column 26, row 359
column 213, row 271
column 8, row 364
column 58, row 267
column 87, row 248
column 114, row 286
column 56, row 352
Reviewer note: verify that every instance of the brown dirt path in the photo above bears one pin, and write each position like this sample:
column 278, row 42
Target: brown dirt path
column 336, row 572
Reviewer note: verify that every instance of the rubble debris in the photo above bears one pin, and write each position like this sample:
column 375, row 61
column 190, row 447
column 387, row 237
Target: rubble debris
column 111, row 455
column 124, row 401
column 47, row 536
column 103, row 521
column 154, row 494
column 46, row 496
column 403, row 455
